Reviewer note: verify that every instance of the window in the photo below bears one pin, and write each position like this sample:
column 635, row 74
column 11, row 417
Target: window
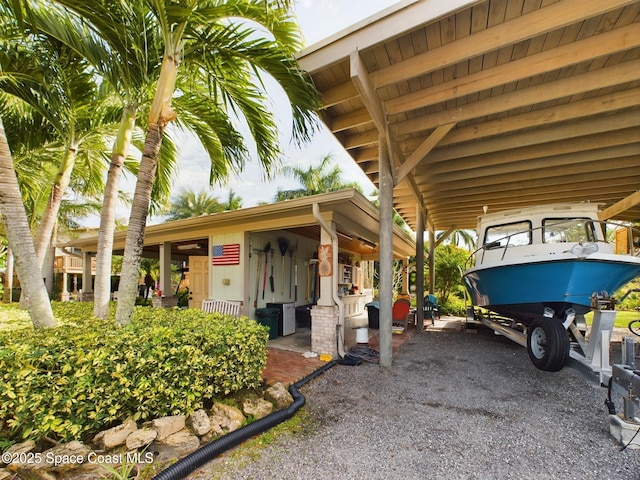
column 508, row 235
column 560, row 230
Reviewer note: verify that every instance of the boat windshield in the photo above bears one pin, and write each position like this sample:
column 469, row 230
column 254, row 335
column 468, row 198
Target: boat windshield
column 560, row 230
column 508, row 235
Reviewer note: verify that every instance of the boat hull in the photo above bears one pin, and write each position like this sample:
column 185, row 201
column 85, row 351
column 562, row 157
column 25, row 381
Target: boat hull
column 523, row 290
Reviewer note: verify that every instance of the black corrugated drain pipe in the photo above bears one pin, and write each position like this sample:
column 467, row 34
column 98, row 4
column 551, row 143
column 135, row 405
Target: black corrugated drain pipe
column 208, row 452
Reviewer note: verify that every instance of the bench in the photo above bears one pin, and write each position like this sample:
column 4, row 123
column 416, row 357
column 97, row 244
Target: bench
column 226, row 307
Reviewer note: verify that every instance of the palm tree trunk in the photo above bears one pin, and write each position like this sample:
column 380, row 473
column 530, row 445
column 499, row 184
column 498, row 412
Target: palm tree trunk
column 160, row 115
column 8, row 278
column 50, row 215
column 127, row 291
column 102, row 288
column 14, row 216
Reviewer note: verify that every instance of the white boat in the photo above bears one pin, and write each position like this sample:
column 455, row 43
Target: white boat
column 540, row 269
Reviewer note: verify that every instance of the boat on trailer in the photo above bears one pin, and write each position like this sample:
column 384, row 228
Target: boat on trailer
column 540, row 269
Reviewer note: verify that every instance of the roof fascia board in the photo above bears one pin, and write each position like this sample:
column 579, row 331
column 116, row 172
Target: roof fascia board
column 400, row 18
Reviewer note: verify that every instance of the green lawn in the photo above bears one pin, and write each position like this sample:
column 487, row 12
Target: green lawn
column 623, row 318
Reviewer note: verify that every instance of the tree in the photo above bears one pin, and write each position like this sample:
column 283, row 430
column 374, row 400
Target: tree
column 315, row 180
column 19, row 236
column 234, row 202
column 191, row 204
column 125, row 59
column 465, row 237
column 449, row 263
column 229, row 58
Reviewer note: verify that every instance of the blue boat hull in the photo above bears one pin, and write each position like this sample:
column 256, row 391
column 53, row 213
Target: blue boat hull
column 522, row 291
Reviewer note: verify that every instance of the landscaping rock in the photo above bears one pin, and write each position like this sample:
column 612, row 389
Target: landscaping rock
column 5, row 474
column 258, row 408
column 227, row 417
column 18, row 448
column 278, row 395
column 215, row 432
column 200, row 422
column 140, row 438
column 176, row 445
column 166, row 426
column 116, row 436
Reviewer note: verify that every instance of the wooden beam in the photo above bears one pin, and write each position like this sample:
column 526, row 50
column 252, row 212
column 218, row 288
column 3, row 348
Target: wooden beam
column 566, row 55
column 444, row 236
column 597, row 106
column 565, row 132
column 423, row 150
column 561, row 164
column 360, row 78
column 506, row 159
column 590, row 81
column 619, row 207
column 521, row 28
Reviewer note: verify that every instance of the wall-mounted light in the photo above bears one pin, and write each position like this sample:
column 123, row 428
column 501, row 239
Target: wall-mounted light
column 189, row 246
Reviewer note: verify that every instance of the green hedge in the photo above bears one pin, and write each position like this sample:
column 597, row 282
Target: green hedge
column 87, row 374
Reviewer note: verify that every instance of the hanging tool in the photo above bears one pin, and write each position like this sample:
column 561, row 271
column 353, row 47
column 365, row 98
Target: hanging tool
column 283, row 243
column 273, row 288
column 266, row 249
column 291, row 250
column 255, row 300
column 295, row 280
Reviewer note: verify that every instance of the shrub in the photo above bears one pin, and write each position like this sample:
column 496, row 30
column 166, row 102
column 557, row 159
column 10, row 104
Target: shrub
column 88, row 374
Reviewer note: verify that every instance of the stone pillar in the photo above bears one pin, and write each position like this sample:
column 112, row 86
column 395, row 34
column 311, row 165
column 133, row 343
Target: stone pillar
column 323, row 329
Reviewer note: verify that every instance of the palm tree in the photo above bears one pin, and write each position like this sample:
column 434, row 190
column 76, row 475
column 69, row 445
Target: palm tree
column 229, row 58
column 234, row 202
column 191, row 204
column 67, row 97
column 465, row 237
column 104, row 44
column 14, row 217
column 315, row 180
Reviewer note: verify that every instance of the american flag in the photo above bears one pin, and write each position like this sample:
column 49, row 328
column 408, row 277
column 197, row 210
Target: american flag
column 226, row 254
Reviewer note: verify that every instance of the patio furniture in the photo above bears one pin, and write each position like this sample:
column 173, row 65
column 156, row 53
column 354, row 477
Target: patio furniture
column 226, row 307
column 400, row 313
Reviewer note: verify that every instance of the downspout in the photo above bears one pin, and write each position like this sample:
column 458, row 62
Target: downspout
column 334, row 279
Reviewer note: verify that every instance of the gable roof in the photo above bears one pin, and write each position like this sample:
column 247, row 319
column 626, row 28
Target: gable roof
column 497, row 103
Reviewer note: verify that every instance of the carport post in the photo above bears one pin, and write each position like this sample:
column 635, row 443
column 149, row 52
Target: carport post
column 419, row 268
column 385, row 284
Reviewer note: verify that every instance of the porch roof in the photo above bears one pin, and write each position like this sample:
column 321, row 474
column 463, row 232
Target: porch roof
column 355, row 217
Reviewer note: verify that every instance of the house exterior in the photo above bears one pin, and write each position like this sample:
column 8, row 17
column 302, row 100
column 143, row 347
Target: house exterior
column 315, row 251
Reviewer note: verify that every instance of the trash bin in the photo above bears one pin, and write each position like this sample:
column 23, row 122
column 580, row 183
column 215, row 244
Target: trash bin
column 373, row 310
column 269, row 318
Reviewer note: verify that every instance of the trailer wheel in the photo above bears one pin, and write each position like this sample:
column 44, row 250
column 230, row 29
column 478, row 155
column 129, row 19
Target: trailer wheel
column 548, row 344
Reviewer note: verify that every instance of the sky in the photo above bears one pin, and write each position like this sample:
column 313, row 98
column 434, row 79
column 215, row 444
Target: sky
column 318, row 19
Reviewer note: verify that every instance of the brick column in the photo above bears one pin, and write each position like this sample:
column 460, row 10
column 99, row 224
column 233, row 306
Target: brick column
column 323, row 329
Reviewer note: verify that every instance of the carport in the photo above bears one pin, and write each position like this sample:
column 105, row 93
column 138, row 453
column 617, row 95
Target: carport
column 454, row 106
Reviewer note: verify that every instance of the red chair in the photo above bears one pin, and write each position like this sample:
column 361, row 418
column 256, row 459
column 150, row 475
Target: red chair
column 400, row 313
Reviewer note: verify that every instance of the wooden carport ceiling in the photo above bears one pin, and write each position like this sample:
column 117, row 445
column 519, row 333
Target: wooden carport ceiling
column 498, row 103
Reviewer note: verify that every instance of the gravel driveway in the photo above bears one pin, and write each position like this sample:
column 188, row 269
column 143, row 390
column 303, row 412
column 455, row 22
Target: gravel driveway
column 454, row 406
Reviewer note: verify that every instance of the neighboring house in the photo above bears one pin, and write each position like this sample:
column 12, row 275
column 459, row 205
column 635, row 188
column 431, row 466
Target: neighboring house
column 68, row 264
column 313, row 251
